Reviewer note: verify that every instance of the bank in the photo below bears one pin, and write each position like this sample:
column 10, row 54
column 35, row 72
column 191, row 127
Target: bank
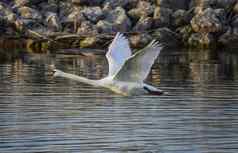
column 54, row 25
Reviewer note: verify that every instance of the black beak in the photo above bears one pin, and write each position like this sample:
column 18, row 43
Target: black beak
column 53, row 72
column 154, row 92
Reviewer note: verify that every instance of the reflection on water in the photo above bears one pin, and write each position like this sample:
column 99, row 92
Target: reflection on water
column 41, row 114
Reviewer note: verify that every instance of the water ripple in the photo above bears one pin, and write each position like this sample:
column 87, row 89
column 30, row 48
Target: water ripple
column 41, row 114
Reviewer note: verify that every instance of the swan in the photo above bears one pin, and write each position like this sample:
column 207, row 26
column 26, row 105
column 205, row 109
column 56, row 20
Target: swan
column 127, row 72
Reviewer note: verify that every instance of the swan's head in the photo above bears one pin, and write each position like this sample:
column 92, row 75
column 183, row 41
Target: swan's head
column 57, row 73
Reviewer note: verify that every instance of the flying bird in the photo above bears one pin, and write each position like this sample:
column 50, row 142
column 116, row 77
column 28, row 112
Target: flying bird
column 127, row 72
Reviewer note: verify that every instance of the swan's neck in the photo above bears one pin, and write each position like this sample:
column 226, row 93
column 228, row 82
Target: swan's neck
column 79, row 78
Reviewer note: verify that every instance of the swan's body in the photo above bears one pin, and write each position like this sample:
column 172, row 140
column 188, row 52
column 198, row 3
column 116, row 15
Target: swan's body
column 127, row 72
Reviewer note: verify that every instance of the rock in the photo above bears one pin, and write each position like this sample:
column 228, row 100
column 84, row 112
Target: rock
column 49, row 7
column 11, row 17
column 80, row 2
column 3, row 26
column 206, row 22
column 20, row 3
column 6, row 13
column 173, row 4
column 162, row 16
column 144, row 24
column 235, row 9
column 71, row 22
column 180, row 18
column 234, row 22
column 53, row 21
column 74, row 16
column 93, row 14
column 19, row 25
column 202, row 3
column 107, row 7
column 165, row 35
column 37, row 27
column 185, row 32
column 229, row 38
column 143, row 9
column 221, row 15
column 105, row 27
column 134, row 14
column 6, row 2
column 226, row 4
column 87, row 28
column 140, row 40
column 127, row 4
column 119, row 19
column 29, row 13
column 88, row 42
column 201, row 40
column 87, row 2
column 65, row 9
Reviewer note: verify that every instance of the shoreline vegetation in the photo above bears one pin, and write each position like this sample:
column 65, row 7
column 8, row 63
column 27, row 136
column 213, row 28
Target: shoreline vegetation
column 54, row 25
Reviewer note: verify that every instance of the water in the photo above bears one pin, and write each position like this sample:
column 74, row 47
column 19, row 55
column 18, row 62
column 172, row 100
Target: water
column 39, row 113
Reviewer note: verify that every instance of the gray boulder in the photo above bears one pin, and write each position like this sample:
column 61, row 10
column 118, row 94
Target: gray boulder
column 87, row 2
column 127, row 4
column 162, row 16
column 80, row 2
column 235, row 8
column 202, row 40
column 89, row 42
column 49, row 7
column 66, row 9
column 144, row 24
column 167, row 36
column 179, row 18
column 140, row 40
column 72, row 21
column 185, row 32
column 143, row 9
column 118, row 19
column 173, row 4
column 87, row 28
column 225, row 3
column 4, row 9
column 229, row 38
column 206, row 22
column 202, row 3
column 234, row 22
column 74, row 16
column 53, row 21
column 93, row 14
column 20, row 3
column 6, row 13
column 105, row 27
column 29, row 13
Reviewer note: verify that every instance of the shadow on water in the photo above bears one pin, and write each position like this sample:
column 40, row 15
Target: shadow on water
column 39, row 113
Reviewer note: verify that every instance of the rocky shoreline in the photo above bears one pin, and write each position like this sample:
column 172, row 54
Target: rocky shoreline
column 92, row 23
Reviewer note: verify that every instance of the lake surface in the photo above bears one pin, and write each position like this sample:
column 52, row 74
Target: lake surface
column 39, row 113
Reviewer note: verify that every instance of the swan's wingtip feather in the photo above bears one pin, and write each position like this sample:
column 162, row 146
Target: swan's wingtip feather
column 156, row 44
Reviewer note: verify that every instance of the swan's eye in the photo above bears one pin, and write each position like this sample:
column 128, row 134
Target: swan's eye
column 53, row 72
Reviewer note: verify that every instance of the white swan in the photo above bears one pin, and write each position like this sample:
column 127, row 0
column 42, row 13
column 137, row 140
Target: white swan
column 127, row 72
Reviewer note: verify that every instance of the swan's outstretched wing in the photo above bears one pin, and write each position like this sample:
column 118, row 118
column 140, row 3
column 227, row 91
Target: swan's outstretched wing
column 119, row 51
column 137, row 67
